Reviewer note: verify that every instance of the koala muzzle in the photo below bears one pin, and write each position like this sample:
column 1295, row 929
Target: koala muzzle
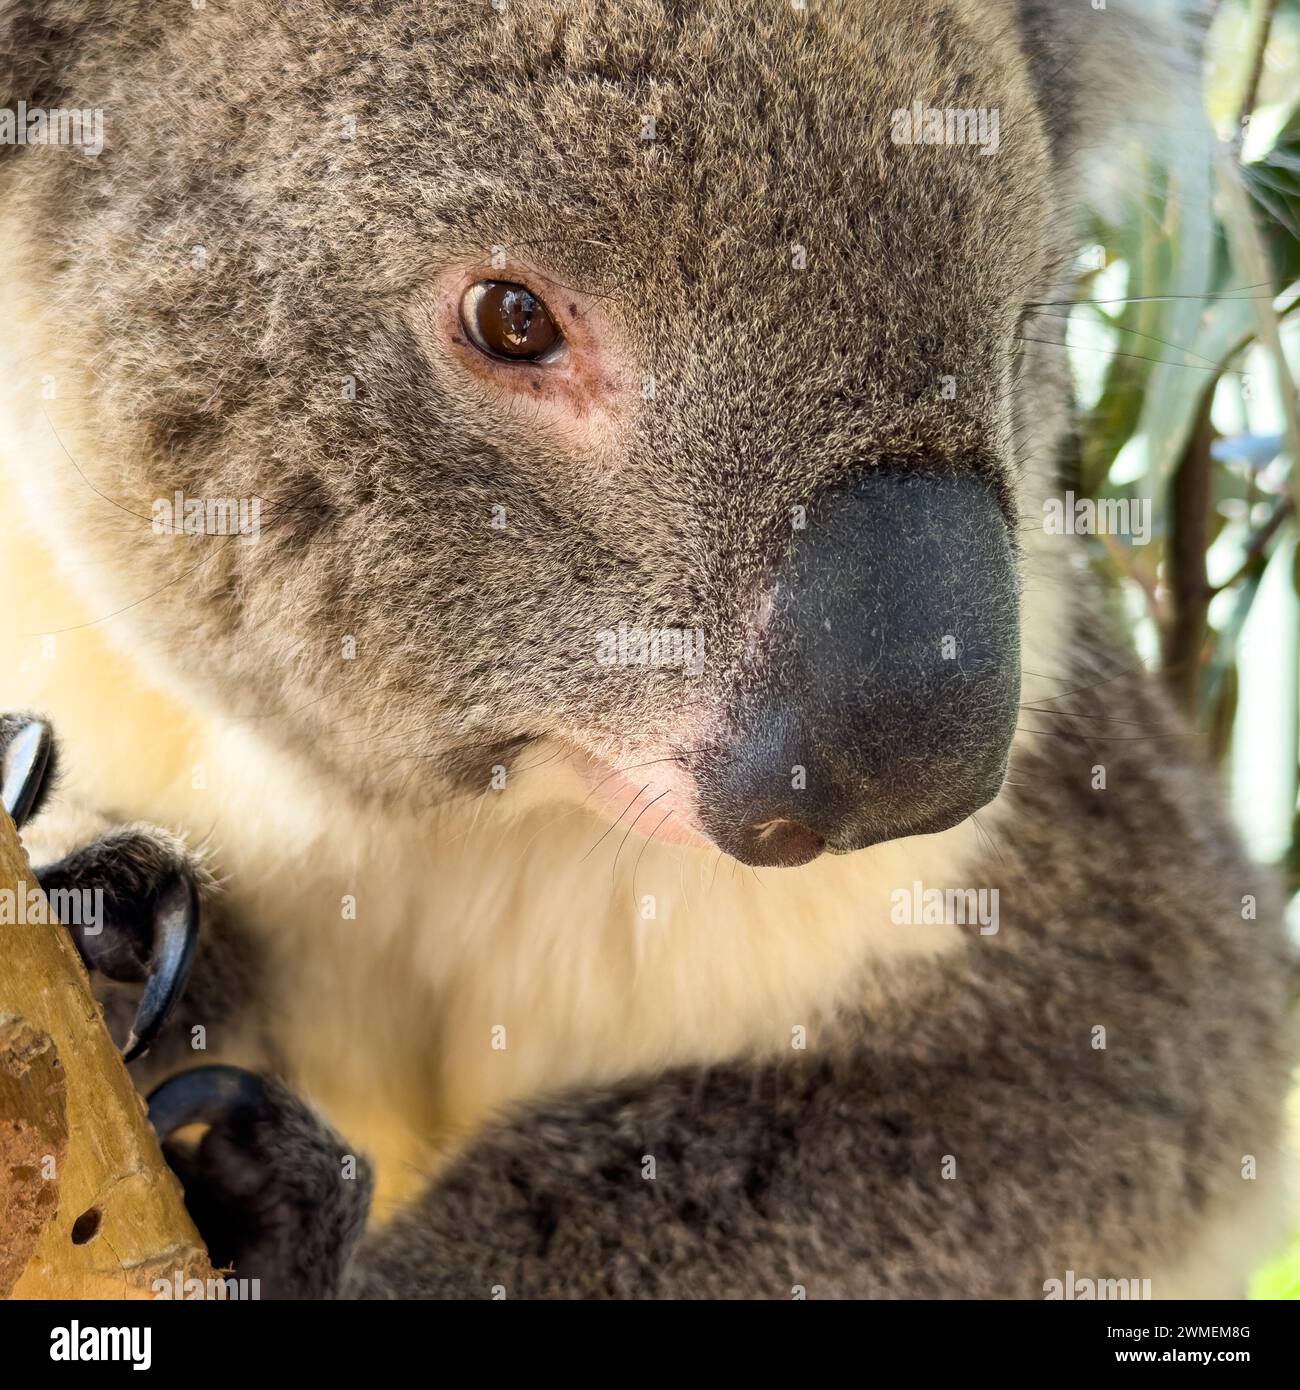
column 882, row 698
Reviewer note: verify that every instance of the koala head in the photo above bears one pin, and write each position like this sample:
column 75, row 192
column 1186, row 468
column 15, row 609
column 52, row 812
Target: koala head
column 633, row 379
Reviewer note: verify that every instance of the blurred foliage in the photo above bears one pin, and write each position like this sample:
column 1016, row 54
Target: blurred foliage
column 1185, row 348
column 1185, row 345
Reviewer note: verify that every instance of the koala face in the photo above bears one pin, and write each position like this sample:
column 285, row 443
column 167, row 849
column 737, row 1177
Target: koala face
column 610, row 378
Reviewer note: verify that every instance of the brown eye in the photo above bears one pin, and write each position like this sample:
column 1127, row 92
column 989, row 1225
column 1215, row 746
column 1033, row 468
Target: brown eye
column 508, row 321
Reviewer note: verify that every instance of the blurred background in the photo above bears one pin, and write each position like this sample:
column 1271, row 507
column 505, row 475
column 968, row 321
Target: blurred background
column 1185, row 348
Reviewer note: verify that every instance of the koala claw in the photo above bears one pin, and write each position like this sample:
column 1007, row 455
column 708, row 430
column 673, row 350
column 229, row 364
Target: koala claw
column 151, row 918
column 176, row 935
column 26, row 760
column 203, row 1096
column 146, row 880
column 272, row 1189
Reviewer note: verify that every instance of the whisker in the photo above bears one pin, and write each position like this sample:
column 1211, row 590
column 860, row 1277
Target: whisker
column 613, row 823
column 1150, row 337
column 1087, row 738
column 1133, row 356
column 1229, row 295
column 126, row 608
column 614, row 867
column 645, row 847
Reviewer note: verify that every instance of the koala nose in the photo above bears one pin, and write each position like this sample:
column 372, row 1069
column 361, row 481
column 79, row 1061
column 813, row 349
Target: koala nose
column 883, row 696
column 780, row 841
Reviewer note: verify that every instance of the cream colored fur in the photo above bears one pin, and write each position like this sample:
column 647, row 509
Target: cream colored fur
column 489, row 916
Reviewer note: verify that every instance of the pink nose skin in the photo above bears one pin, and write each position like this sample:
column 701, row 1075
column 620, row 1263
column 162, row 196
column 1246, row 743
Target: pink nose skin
column 781, row 843
column 651, row 796
column 656, row 798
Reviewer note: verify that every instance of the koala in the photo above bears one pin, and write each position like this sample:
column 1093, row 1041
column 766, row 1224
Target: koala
column 524, row 577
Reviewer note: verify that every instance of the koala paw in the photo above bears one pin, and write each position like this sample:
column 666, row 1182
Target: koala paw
column 128, row 895
column 274, row 1191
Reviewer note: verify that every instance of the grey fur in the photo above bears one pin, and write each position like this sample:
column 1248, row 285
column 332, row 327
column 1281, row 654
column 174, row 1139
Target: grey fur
column 829, row 1174
column 772, row 386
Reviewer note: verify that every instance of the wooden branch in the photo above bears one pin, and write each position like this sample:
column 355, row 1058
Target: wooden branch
column 88, row 1208
column 1255, row 557
column 1184, row 636
column 1265, row 13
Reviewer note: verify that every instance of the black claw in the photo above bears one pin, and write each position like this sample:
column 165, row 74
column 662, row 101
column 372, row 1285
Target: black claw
column 204, row 1096
column 24, row 768
column 176, row 934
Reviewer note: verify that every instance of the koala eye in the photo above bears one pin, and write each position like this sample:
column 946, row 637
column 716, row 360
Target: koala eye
column 508, row 322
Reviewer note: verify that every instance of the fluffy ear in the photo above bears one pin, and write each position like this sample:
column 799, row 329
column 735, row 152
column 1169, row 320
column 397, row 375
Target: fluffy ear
column 1113, row 71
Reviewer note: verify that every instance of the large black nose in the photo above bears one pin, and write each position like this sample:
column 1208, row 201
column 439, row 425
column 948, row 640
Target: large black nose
column 881, row 699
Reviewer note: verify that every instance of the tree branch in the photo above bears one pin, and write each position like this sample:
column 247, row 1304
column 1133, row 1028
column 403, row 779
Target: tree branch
column 89, row 1208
